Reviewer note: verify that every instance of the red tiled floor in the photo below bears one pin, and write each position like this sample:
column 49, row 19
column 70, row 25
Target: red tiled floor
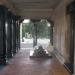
column 21, row 64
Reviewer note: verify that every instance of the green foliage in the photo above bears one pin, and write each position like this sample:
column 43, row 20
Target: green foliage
column 42, row 29
column 27, row 28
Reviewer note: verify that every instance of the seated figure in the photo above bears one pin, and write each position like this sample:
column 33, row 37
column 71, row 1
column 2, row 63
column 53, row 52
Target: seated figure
column 40, row 52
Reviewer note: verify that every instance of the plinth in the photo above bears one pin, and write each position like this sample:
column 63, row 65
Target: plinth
column 38, row 51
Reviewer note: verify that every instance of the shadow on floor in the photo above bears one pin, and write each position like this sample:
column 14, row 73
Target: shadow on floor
column 2, row 67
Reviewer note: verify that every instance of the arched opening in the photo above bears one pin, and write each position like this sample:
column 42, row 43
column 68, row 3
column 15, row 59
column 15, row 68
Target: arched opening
column 36, row 33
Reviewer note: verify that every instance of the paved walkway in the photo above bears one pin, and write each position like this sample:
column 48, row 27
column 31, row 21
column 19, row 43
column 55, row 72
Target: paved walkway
column 21, row 64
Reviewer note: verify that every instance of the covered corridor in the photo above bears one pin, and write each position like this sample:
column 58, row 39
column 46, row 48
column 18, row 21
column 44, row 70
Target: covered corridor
column 15, row 60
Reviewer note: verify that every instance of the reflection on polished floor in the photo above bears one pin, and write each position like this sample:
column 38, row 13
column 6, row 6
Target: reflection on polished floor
column 21, row 64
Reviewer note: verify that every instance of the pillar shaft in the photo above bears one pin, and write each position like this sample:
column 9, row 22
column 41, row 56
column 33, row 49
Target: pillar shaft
column 14, row 35
column 3, row 11
column 9, row 35
column 18, row 35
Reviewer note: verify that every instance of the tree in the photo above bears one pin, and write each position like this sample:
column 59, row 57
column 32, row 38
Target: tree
column 27, row 28
column 42, row 29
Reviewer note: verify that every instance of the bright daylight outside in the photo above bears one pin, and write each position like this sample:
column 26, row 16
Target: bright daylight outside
column 35, row 34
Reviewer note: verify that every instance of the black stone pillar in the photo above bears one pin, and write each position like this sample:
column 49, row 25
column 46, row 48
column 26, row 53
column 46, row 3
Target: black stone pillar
column 9, row 35
column 14, row 35
column 3, row 11
column 17, row 34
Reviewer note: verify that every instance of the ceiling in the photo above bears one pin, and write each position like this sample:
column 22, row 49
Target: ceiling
column 35, row 8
